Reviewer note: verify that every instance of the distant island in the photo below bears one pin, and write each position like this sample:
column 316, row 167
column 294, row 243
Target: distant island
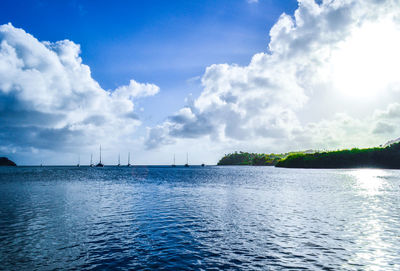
column 4, row 161
column 379, row 157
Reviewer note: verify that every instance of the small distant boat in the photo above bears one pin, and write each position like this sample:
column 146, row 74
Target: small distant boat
column 129, row 160
column 187, row 160
column 119, row 160
column 91, row 160
column 100, row 164
column 173, row 164
column 79, row 161
column 202, row 165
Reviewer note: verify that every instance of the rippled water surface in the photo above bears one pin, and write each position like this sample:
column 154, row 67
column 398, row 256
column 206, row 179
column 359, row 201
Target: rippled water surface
column 237, row 218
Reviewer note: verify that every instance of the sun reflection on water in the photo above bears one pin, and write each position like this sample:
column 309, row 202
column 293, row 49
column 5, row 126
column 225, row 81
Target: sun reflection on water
column 370, row 181
column 371, row 238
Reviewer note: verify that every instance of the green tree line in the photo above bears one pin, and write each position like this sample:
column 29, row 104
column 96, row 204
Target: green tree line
column 388, row 157
column 246, row 158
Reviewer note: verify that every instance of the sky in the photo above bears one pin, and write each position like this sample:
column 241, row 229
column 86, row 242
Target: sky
column 158, row 78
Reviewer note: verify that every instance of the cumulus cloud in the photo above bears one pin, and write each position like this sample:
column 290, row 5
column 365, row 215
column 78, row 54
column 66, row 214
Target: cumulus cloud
column 49, row 100
column 384, row 128
column 310, row 65
column 392, row 112
column 387, row 121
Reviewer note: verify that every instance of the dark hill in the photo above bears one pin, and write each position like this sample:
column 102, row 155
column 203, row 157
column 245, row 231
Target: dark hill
column 388, row 157
column 4, row 161
column 245, row 158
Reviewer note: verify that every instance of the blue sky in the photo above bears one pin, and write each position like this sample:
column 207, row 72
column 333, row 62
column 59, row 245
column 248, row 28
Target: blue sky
column 209, row 77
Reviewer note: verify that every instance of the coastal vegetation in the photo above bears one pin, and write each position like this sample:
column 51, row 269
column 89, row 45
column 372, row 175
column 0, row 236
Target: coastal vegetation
column 378, row 157
column 254, row 159
column 4, row 161
column 387, row 157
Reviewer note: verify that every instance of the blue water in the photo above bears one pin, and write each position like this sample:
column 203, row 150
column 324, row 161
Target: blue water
column 235, row 218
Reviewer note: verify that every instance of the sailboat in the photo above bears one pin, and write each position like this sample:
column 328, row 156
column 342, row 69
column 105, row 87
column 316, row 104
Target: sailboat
column 100, row 164
column 79, row 161
column 129, row 159
column 187, row 160
column 91, row 160
column 119, row 160
column 173, row 165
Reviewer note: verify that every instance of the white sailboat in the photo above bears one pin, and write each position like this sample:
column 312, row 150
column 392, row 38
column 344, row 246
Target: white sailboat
column 187, row 160
column 173, row 164
column 129, row 159
column 100, row 164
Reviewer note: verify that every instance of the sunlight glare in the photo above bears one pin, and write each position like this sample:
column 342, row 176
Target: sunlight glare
column 370, row 180
column 368, row 62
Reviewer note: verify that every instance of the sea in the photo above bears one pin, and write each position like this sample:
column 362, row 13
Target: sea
column 199, row 218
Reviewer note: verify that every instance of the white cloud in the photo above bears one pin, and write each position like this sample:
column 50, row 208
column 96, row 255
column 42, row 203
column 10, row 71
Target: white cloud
column 343, row 52
column 49, row 100
column 135, row 90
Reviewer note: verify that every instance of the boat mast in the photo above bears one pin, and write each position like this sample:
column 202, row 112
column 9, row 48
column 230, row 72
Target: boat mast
column 100, row 164
column 119, row 159
column 129, row 159
column 173, row 164
column 91, row 159
column 187, row 160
